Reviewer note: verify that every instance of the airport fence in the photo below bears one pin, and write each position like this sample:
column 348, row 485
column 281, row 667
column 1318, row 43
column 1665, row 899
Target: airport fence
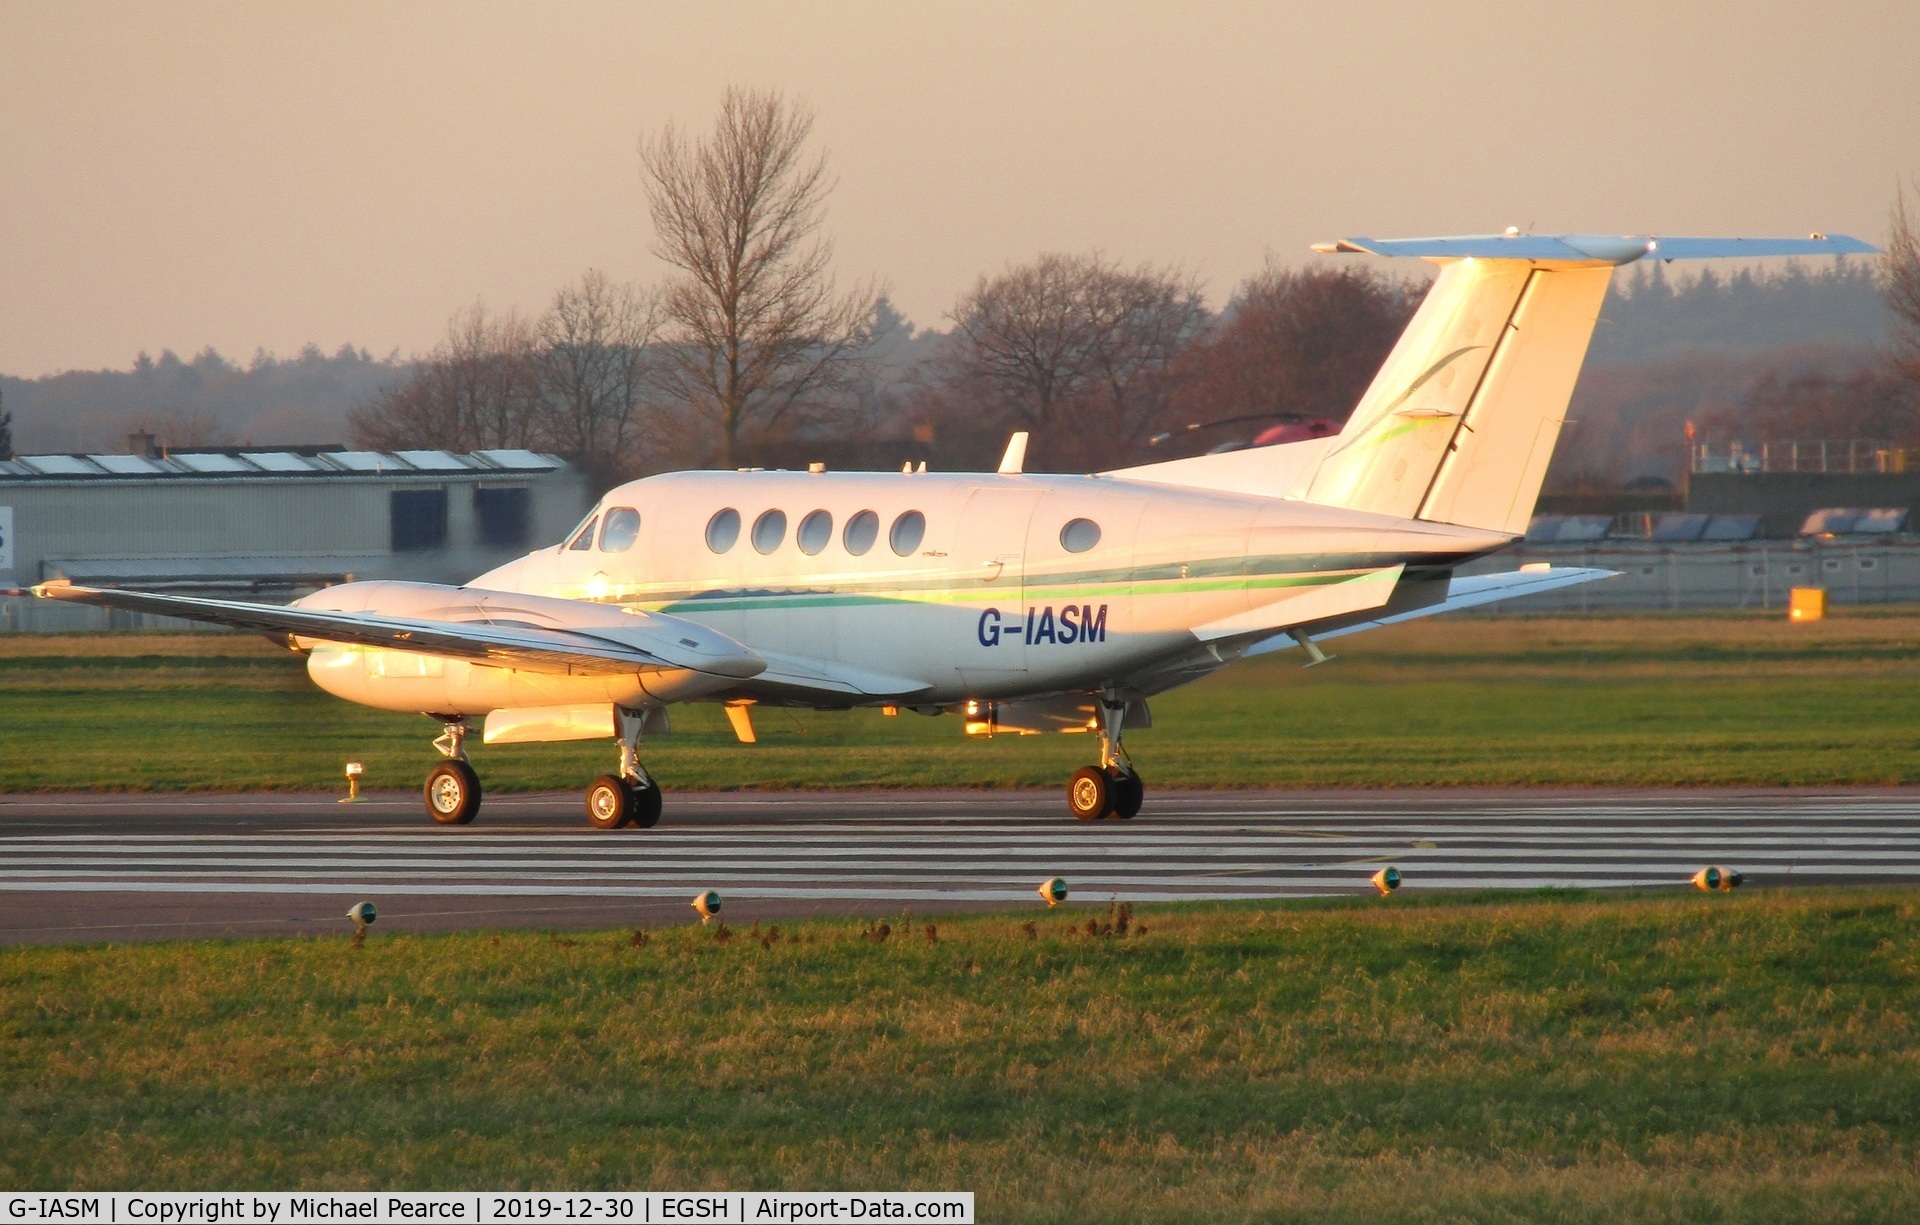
column 1656, row 577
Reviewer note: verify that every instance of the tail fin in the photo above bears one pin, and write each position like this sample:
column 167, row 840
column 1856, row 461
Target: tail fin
column 1461, row 421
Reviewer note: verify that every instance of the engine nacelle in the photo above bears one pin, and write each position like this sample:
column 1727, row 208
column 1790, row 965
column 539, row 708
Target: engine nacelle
column 410, row 681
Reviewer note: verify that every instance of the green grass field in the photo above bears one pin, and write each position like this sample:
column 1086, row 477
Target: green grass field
column 1745, row 1058
column 1722, row 699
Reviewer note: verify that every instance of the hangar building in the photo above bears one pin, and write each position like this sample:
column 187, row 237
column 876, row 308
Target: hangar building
column 258, row 524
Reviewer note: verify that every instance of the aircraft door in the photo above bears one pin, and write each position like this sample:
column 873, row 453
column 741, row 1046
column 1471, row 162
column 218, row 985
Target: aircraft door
column 989, row 587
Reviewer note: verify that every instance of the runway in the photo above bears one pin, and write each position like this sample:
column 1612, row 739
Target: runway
column 119, row 867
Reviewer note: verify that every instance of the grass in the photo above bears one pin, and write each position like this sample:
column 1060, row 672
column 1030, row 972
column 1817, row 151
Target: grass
column 1551, row 1057
column 1661, row 700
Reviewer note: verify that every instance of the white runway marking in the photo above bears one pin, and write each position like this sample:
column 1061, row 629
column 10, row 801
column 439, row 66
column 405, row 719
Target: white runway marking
column 948, row 850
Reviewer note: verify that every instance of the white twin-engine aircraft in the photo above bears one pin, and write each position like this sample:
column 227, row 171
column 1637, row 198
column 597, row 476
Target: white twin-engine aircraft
column 1024, row 602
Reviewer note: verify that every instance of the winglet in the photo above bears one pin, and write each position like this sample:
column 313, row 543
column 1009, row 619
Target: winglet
column 1015, row 460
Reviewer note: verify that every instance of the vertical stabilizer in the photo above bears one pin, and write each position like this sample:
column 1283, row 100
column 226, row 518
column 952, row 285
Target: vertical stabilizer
column 1460, row 424
column 1386, row 457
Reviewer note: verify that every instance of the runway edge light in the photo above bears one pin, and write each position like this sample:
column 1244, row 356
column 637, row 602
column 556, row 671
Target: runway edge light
column 362, row 914
column 706, row 904
column 1386, row 880
column 354, row 771
column 1054, row 890
column 1723, row 880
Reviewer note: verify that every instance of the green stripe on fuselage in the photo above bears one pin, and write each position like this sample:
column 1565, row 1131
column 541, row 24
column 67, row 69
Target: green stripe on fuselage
column 1188, row 578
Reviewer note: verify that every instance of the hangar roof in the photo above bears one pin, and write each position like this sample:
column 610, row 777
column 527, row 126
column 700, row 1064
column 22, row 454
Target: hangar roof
column 236, row 462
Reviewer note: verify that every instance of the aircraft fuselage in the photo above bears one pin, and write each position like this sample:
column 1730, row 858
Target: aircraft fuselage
column 973, row 585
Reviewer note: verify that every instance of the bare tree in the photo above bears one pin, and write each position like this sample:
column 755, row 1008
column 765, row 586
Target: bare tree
column 594, row 366
column 1902, row 270
column 1296, row 345
column 1144, row 320
column 754, row 324
column 1073, row 338
column 479, row 388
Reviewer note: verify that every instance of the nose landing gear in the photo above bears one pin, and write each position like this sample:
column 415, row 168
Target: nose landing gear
column 1113, row 788
column 630, row 797
column 453, row 789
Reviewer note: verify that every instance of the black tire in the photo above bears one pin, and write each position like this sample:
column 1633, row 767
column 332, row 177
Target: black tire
column 453, row 793
column 647, row 802
column 609, row 802
column 1089, row 794
column 1128, row 794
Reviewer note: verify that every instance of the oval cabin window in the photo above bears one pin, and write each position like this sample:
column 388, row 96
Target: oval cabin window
column 621, row 529
column 723, row 530
column 815, row 530
column 1079, row 535
column 769, row 530
column 908, row 531
column 861, row 531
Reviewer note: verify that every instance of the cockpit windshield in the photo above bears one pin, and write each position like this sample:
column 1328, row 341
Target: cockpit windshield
column 583, row 535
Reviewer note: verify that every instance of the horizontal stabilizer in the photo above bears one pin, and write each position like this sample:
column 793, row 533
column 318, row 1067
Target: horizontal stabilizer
column 1591, row 248
column 1465, row 591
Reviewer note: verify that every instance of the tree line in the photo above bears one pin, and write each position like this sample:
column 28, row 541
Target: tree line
column 749, row 353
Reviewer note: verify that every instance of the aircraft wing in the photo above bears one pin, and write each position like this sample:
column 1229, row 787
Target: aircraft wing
column 1465, row 591
column 656, row 642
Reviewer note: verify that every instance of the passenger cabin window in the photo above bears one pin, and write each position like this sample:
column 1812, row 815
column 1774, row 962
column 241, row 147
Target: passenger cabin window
column 583, row 539
column 815, row 531
column 723, row 530
column 861, row 531
column 769, row 530
column 620, row 530
column 908, row 531
column 1079, row 535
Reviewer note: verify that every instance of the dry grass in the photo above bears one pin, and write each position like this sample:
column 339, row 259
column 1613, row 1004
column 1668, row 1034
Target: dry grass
column 1664, row 1059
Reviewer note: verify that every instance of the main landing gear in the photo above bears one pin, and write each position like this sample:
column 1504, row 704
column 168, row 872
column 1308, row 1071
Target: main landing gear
column 629, row 797
column 1112, row 788
column 453, row 789
column 626, row 797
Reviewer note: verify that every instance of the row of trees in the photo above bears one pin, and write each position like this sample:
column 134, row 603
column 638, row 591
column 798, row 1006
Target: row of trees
column 1879, row 398
column 749, row 351
column 574, row 381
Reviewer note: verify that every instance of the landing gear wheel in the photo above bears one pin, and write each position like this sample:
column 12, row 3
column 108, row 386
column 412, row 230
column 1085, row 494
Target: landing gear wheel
column 1128, row 794
column 1090, row 794
column 453, row 793
column 610, row 802
column 645, row 813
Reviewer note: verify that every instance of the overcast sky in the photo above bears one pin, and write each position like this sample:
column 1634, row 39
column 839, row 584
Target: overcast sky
column 265, row 175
